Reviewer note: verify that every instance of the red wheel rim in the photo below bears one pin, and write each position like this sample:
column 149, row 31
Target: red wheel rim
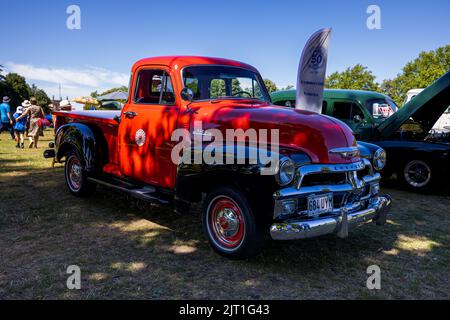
column 226, row 222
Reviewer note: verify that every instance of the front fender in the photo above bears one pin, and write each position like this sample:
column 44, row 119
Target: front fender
column 244, row 172
column 79, row 137
column 253, row 176
column 367, row 150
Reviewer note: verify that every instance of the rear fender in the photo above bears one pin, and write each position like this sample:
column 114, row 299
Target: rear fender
column 86, row 140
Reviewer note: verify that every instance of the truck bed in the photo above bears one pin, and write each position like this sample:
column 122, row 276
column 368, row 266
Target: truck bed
column 105, row 120
column 98, row 116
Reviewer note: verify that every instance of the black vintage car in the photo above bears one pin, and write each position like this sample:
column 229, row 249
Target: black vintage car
column 419, row 156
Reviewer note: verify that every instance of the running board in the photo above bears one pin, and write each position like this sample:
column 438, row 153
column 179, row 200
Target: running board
column 147, row 193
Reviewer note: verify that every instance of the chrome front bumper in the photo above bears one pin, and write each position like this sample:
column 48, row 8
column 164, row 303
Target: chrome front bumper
column 340, row 225
column 360, row 202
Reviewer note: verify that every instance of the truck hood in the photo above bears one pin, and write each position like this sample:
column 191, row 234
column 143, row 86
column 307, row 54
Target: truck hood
column 425, row 108
column 304, row 131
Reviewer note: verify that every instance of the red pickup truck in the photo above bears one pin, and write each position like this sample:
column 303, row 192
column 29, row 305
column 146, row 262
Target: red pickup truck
column 316, row 180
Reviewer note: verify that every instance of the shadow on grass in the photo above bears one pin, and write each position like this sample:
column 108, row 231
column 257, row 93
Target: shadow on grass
column 129, row 249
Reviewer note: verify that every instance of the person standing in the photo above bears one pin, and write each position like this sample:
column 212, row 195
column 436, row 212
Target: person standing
column 35, row 114
column 6, row 121
column 21, row 124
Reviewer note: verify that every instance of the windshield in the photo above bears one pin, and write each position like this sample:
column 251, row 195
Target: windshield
column 381, row 108
column 224, row 82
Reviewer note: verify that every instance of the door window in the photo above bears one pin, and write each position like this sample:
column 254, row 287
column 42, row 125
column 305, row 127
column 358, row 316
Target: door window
column 154, row 87
column 346, row 110
column 381, row 108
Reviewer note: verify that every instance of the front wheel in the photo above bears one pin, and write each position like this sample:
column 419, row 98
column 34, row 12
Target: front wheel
column 417, row 175
column 229, row 224
column 75, row 176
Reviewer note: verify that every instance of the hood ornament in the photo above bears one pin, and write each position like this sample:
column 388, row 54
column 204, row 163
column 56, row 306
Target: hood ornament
column 347, row 153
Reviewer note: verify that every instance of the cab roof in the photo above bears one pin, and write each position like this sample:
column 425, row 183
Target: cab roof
column 179, row 62
column 360, row 95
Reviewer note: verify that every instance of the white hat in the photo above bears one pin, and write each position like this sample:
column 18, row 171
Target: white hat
column 26, row 104
column 19, row 110
column 64, row 103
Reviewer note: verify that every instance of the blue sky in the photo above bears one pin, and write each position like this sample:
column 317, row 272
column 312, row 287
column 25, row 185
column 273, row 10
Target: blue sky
column 267, row 34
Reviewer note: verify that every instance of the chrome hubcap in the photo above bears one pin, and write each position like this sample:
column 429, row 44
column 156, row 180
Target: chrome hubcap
column 417, row 173
column 227, row 223
column 75, row 173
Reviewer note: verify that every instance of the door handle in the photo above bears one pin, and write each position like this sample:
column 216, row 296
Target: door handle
column 130, row 114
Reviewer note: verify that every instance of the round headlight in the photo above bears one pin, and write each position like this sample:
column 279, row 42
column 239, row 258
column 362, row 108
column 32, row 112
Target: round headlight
column 286, row 171
column 379, row 159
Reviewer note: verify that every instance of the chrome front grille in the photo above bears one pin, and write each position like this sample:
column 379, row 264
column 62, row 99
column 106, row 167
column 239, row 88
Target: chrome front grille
column 331, row 174
column 349, row 183
column 324, row 179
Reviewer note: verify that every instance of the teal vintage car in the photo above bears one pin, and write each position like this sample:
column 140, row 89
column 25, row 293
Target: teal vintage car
column 360, row 110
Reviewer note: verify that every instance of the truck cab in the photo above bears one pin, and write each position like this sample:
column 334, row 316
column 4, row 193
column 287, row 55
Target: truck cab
column 199, row 129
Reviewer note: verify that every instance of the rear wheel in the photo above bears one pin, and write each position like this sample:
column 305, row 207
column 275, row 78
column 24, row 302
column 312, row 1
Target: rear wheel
column 76, row 177
column 229, row 224
column 417, row 175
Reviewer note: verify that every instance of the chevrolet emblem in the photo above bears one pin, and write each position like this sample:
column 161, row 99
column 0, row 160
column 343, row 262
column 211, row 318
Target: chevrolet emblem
column 346, row 153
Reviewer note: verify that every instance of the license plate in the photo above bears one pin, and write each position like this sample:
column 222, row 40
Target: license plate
column 320, row 204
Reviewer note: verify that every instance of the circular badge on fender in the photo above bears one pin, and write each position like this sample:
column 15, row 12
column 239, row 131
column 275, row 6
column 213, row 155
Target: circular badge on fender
column 140, row 137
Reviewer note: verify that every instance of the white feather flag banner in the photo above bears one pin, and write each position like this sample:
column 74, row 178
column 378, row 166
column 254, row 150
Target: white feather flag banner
column 311, row 72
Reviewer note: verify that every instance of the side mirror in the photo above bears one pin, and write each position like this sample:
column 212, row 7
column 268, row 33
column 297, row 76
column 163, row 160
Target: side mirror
column 357, row 118
column 187, row 94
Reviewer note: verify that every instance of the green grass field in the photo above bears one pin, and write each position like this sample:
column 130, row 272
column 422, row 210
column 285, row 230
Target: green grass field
column 131, row 250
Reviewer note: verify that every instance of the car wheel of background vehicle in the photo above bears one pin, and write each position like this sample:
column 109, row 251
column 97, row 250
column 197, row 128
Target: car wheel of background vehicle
column 417, row 175
column 75, row 175
column 229, row 224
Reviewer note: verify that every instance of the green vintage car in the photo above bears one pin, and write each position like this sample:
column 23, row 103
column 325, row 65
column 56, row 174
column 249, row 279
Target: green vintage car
column 360, row 110
column 418, row 156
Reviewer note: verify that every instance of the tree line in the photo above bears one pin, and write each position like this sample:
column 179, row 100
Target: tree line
column 17, row 89
column 416, row 74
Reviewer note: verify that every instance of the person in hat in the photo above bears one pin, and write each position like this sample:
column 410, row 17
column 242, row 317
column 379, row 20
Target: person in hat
column 6, row 120
column 21, row 125
column 35, row 113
